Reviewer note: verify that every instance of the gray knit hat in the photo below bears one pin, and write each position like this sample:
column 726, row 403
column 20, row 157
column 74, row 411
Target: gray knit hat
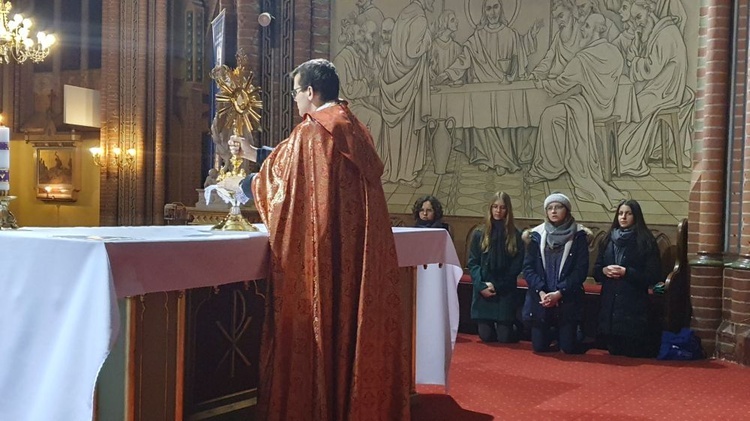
column 557, row 197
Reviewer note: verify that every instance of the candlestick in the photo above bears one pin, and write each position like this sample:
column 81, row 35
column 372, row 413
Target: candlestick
column 4, row 160
column 7, row 220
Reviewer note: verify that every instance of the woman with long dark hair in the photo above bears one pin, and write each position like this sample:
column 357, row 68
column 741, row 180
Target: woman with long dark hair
column 495, row 260
column 627, row 265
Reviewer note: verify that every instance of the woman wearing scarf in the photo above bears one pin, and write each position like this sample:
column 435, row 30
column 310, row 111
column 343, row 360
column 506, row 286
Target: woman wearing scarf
column 495, row 260
column 428, row 213
column 627, row 265
column 556, row 264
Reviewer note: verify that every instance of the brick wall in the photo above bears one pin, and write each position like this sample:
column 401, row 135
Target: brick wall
column 706, row 207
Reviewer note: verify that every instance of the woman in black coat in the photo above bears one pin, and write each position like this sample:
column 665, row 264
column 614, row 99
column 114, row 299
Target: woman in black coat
column 428, row 213
column 555, row 266
column 495, row 260
column 627, row 265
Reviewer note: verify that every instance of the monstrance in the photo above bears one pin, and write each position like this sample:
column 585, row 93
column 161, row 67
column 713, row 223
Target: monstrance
column 238, row 106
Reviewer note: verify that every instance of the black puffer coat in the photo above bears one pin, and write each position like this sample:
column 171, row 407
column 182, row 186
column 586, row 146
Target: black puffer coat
column 624, row 301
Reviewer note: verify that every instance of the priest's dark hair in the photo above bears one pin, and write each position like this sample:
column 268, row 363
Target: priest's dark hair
column 321, row 75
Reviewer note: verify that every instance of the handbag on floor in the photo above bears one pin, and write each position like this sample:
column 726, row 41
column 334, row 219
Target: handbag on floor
column 683, row 345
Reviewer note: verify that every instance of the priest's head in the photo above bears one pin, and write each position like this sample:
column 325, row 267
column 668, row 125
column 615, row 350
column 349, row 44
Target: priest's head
column 315, row 83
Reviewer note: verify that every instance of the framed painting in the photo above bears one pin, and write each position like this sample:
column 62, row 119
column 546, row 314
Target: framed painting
column 57, row 170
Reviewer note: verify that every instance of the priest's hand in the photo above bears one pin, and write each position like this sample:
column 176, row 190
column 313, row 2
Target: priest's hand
column 243, row 148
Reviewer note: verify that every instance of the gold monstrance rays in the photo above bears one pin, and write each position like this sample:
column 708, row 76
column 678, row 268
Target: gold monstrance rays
column 238, row 102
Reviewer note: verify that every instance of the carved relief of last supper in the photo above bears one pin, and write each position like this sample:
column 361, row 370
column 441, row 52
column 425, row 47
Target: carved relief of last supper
column 594, row 98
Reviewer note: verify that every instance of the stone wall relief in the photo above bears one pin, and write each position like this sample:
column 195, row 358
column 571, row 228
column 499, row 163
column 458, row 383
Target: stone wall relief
column 591, row 97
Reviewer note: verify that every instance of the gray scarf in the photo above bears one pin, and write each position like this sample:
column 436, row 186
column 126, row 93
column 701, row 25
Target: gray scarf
column 620, row 239
column 561, row 234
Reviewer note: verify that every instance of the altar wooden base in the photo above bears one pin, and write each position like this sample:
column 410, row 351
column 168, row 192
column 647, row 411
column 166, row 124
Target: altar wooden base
column 193, row 355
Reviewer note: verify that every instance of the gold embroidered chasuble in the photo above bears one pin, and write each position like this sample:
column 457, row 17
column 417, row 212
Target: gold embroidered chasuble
column 336, row 342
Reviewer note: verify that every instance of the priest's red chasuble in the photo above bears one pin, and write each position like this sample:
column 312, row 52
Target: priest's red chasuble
column 336, row 342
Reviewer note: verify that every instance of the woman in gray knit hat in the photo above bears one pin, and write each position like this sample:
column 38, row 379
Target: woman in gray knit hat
column 555, row 266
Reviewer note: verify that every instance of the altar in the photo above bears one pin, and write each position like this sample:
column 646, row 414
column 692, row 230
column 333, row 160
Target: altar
column 61, row 316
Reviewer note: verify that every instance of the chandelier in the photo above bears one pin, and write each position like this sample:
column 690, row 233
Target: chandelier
column 15, row 41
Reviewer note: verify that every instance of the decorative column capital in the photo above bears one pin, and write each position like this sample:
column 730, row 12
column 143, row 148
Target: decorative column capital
column 741, row 262
column 705, row 258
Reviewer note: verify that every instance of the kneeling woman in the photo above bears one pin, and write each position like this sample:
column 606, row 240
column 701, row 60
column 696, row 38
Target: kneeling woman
column 495, row 260
column 628, row 263
column 428, row 213
column 556, row 264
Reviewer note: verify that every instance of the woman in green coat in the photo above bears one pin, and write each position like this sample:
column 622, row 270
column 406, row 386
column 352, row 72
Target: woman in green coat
column 495, row 260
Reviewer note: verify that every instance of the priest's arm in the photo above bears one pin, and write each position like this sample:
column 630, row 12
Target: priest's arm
column 244, row 149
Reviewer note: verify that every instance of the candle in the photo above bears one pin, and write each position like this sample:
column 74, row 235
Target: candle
column 4, row 160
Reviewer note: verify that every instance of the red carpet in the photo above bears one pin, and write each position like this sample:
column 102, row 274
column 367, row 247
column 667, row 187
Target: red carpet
column 509, row 382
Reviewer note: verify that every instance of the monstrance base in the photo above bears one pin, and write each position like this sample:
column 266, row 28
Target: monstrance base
column 234, row 222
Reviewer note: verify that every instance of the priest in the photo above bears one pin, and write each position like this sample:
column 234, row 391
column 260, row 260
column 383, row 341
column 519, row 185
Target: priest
column 335, row 341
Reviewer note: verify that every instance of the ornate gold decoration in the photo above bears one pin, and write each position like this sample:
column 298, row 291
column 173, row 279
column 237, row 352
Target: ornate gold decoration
column 238, row 101
column 234, row 221
column 238, row 106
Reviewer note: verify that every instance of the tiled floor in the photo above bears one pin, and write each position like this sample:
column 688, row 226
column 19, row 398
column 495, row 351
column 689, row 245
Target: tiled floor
column 465, row 191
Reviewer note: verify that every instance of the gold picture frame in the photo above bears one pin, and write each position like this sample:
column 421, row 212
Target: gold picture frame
column 57, row 167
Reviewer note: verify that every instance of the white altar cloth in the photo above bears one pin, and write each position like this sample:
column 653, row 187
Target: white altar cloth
column 437, row 300
column 58, row 301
